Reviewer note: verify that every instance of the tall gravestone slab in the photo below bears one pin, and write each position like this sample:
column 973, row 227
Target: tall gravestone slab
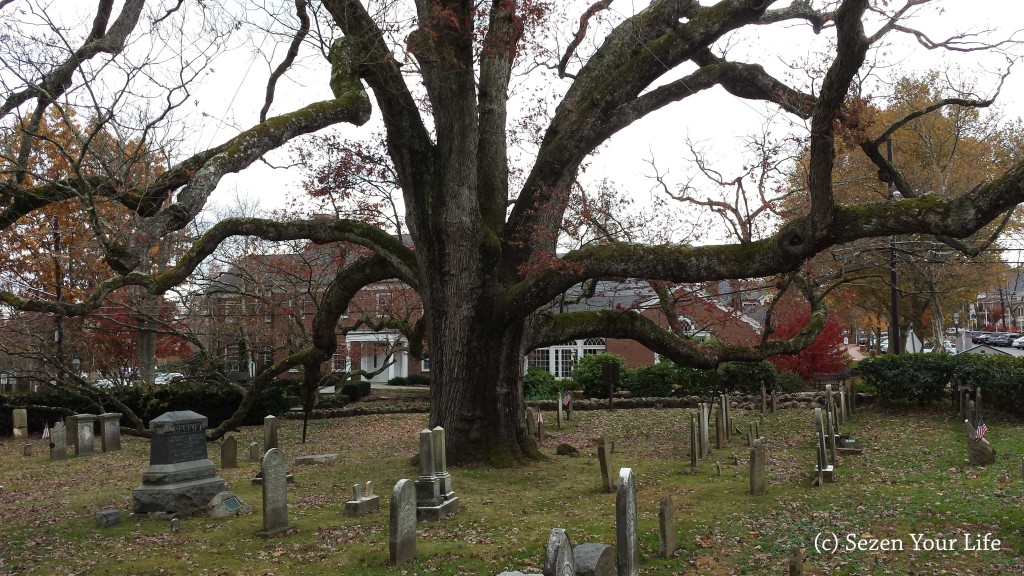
column 758, row 481
column 705, row 443
column 823, row 467
column 432, row 503
column 602, row 458
column 229, row 453
column 666, row 527
column 255, row 454
column 402, row 532
column 275, row 494
column 558, row 558
column 58, row 442
column 20, row 417
column 269, row 433
column 444, row 479
column 626, row 544
column 719, row 428
column 81, row 426
column 110, row 431
column 775, row 401
column 180, row 478
column 694, row 444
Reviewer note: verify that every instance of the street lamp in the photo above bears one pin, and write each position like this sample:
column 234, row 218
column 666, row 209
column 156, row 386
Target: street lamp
column 956, row 330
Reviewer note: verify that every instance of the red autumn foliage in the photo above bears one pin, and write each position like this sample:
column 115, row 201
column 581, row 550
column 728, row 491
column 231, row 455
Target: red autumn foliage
column 827, row 353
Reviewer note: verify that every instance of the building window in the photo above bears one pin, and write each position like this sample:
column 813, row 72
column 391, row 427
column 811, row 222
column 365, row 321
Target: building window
column 383, row 303
column 231, row 361
column 540, row 359
column 425, row 365
column 340, row 361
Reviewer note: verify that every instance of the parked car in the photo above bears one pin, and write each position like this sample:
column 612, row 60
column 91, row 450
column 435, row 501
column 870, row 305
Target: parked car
column 980, row 337
column 1001, row 339
column 949, row 347
column 884, row 346
column 162, row 379
column 103, row 383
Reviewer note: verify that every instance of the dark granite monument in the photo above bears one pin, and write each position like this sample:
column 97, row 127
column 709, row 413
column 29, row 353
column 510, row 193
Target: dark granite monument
column 181, row 478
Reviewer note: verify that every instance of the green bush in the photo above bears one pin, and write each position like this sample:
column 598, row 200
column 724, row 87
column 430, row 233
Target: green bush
column 906, row 377
column 698, row 382
column 658, row 380
column 364, row 388
column 1001, row 378
column 419, row 380
column 398, row 381
column 539, row 385
column 587, row 373
column 336, row 400
column 790, row 382
column 748, row 377
column 351, row 389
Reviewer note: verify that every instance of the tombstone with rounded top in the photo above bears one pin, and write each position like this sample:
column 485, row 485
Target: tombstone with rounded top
column 402, row 531
column 269, row 433
column 229, row 453
column 558, row 558
column 20, row 417
column 110, row 430
column 82, row 429
column 275, row 494
column 58, row 442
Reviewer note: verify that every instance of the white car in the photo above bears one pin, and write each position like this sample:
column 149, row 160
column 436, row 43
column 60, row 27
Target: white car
column 162, row 379
column 949, row 347
column 1018, row 343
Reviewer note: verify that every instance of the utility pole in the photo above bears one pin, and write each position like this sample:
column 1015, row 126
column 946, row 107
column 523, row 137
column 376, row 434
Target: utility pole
column 894, row 330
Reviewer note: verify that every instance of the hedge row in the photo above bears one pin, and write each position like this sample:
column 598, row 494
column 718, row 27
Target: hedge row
column 924, row 378
column 217, row 401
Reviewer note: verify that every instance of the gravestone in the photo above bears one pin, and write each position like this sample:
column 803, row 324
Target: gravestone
column 531, row 422
column 316, row 459
column 594, row 559
column 796, row 562
column 226, row 504
column 540, row 426
column 775, row 401
column 363, row 501
column 979, row 451
column 432, row 502
column 58, row 442
column 823, row 468
column 602, row 457
column 82, row 428
column 437, row 439
column 26, row 450
column 180, row 478
column 844, row 415
column 110, row 430
column 764, row 400
column 402, row 531
column 269, row 433
column 107, row 518
column 275, row 494
column 626, row 544
column 558, row 558
column 175, row 524
column 830, row 438
column 255, row 454
column 972, row 413
column 977, row 399
column 20, row 420
column 758, row 482
column 229, row 453
column 558, row 413
column 705, row 444
column 728, row 417
column 694, row 441
column 719, row 428
column 666, row 527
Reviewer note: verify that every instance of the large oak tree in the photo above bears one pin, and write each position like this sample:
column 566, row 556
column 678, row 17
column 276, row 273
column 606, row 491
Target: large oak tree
column 483, row 258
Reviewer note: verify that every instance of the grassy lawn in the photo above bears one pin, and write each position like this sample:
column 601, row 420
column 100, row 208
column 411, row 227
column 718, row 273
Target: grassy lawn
column 912, row 478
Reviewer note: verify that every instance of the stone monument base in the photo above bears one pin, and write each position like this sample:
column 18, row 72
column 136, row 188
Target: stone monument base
column 362, row 506
column 827, row 475
column 274, row 532
column 434, row 513
column 190, row 497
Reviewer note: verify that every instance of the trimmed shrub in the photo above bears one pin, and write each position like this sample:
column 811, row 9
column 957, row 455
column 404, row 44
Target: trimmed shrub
column 364, row 388
column 398, row 381
column 539, row 385
column 905, row 377
column 748, row 377
column 697, row 382
column 418, row 380
column 351, row 389
column 790, row 382
column 1001, row 378
column 587, row 373
column 658, row 380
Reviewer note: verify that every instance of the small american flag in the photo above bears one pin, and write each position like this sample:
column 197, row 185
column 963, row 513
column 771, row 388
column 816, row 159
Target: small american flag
column 982, row 429
column 567, row 399
column 46, row 431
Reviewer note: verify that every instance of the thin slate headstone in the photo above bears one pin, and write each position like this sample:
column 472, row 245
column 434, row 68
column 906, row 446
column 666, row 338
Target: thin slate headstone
column 441, row 462
column 558, row 557
column 558, row 417
column 20, row 421
column 719, row 428
column 758, row 482
column 844, row 415
column 110, row 430
column 705, row 442
column 229, row 453
column 531, row 422
column 363, row 501
column 666, row 527
column 764, row 400
column 275, row 494
column 402, row 530
column 694, row 451
column 82, row 427
column 58, row 442
column 830, row 439
column 775, row 401
column 972, row 412
column 626, row 544
column 977, row 399
column 26, row 450
column 728, row 417
column 540, row 426
column 796, row 562
column 428, row 489
column 269, row 433
column 602, row 457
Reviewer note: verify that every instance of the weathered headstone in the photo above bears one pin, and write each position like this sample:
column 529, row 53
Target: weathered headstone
column 229, row 453
column 540, row 426
column 26, row 450
column 82, row 428
column 979, row 451
column 610, row 376
column 175, row 524
column 830, row 439
column 558, row 413
column 402, row 531
column 255, row 454
column 437, row 439
column 694, row 444
column 728, row 417
column 705, row 443
column 20, row 421
column 602, row 457
column 626, row 544
column 775, row 401
column 269, row 433
column 764, row 400
column 594, row 559
column 226, row 504
column 58, row 442
column 558, row 558
column 796, row 562
column 363, row 501
column 432, row 502
column 110, row 430
column 844, row 415
column 531, row 422
column 719, row 427
column 666, row 527
column 180, row 478
column 107, row 518
column 758, row 481
column 823, row 468
column 972, row 412
column 316, row 459
column 275, row 494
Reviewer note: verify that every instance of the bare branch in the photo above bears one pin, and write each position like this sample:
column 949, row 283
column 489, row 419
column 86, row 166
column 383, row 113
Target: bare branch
column 289, row 58
column 581, row 33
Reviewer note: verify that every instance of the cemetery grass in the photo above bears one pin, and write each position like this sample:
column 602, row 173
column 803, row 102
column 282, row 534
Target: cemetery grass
column 912, row 478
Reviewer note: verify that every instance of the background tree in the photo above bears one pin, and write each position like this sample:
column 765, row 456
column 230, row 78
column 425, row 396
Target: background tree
column 484, row 257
